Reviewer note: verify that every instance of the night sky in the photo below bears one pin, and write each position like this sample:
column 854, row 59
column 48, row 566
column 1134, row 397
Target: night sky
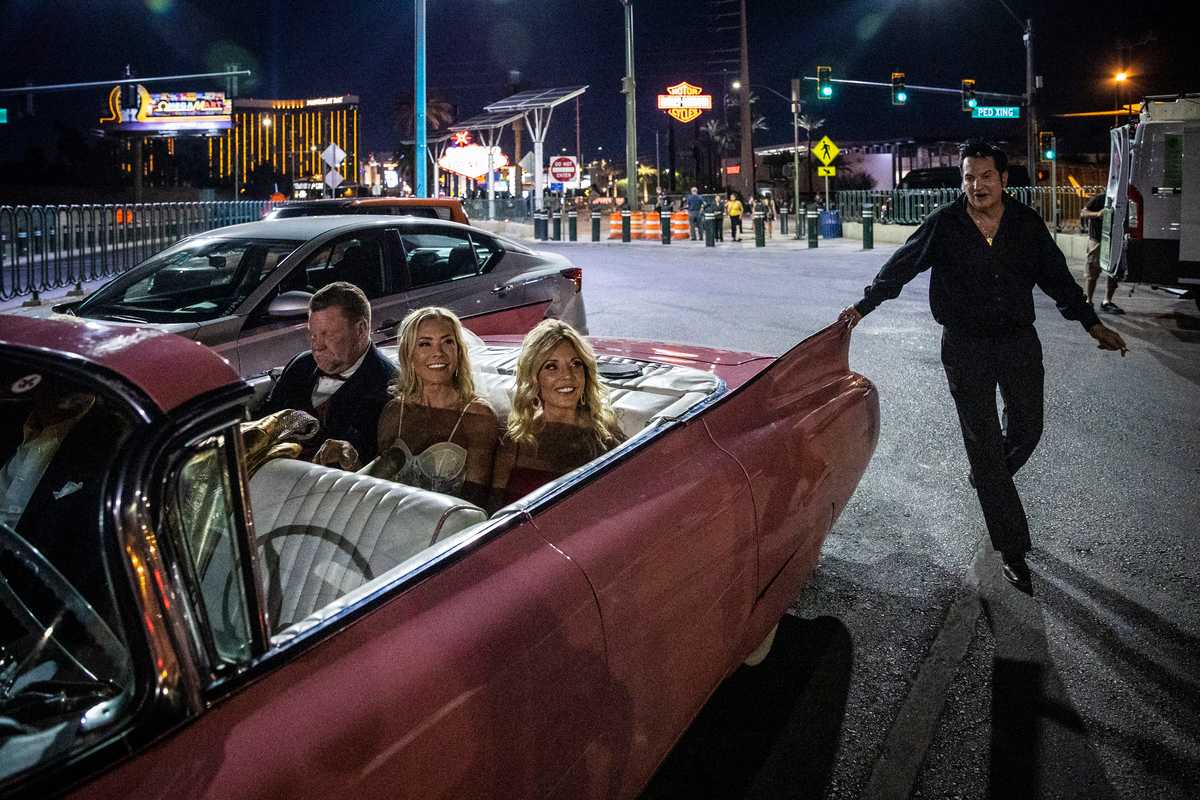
column 305, row 48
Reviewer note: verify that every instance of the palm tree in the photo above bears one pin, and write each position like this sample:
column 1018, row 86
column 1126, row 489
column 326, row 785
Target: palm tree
column 809, row 124
column 439, row 115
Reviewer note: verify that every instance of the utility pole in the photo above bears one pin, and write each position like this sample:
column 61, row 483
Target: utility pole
column 747, row 154
column 628, row 88
column 1031, row 125
column 796, row 106
column 419, row 122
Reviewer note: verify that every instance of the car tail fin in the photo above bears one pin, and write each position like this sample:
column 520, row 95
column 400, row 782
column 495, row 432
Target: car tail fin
column 575, row 276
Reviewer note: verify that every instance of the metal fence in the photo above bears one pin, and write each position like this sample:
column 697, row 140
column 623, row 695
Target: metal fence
column 912, row 206
column 50, row 247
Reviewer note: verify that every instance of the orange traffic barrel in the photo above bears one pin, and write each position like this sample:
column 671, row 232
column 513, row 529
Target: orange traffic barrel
column 679, row 225
column 653, row 229
column 637, row 224
column 614, row 225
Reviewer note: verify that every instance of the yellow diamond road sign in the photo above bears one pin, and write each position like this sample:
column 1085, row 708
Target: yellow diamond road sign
column 826, row 172
column 825, row 150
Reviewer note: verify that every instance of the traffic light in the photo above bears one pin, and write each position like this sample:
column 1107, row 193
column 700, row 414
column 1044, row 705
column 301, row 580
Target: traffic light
column 824, row 83
column 899, row 93
column 1046, row 145
column 968, row 94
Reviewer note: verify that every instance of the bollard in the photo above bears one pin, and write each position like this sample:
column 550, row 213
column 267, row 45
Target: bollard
column 595, row 226
column 573, row 226
column 710, row 232
column 626, row 233
column 539, row 229
column 664, row 219
column 811, row 223
column 556, row 228
column 760, row 229
column 868, row 222
column 783, row 217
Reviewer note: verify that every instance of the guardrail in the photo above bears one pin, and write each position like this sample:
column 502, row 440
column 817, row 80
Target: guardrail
column 51, row 247
column 912, row 206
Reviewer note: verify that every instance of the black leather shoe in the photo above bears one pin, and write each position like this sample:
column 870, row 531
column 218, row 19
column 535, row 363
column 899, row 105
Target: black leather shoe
column 1016, row 572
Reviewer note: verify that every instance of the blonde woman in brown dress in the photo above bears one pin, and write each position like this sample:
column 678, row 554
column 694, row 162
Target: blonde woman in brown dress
column 436, row 432
column 561, row 418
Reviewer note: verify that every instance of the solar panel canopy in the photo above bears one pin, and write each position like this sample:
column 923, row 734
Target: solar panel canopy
column 536, row 99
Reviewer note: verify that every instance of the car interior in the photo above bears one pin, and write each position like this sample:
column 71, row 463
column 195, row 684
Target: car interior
column 329, row 538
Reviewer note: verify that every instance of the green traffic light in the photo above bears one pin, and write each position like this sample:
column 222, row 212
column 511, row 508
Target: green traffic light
column 973, row 103
column 901, row 97
column 827, row 91
column 1048, row 155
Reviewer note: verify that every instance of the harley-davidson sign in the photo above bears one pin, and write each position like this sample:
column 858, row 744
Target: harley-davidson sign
column 685, row 102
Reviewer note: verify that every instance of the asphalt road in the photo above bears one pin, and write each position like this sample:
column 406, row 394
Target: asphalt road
column 909, row 668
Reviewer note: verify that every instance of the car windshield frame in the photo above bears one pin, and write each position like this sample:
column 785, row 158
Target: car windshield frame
column 79, row 682
column 265, row 254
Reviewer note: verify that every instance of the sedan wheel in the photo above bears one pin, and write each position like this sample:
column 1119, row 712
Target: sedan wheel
column 763, row 649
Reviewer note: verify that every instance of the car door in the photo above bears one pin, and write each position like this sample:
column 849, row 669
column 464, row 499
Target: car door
column 360, row 257
column 667, row 540
column 1112, row 245
column 481, row 675
column 450, row 267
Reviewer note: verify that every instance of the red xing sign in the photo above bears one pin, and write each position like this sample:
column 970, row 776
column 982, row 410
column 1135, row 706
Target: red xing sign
column 563, row 168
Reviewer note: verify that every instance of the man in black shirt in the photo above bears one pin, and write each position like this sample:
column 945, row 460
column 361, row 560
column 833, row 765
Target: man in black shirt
column 986, row 252
column 1093, row 216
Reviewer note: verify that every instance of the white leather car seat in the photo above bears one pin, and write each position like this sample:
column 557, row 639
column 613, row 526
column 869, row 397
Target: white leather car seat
column 323, row 532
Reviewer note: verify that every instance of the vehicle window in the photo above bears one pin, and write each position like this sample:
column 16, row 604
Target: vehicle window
column 438, row 257
column 358, row 259
column 487, row 251
column 203, row 515
column 193, row 281
column 1173, row 161
column 406, row 211
column 66, row 673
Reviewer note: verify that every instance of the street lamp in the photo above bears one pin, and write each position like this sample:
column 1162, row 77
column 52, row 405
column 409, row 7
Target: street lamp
column 1118, row 80
column 797, row 107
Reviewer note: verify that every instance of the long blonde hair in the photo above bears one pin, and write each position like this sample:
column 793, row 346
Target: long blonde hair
column 407, row 384
column 526, row 417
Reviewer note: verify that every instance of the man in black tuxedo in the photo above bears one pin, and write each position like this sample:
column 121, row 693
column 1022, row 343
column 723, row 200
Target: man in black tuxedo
column 343, row 381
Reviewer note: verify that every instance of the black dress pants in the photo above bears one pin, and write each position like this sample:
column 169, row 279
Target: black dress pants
column 997, row 447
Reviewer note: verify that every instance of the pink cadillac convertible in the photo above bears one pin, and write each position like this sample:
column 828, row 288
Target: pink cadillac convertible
column 182, row 619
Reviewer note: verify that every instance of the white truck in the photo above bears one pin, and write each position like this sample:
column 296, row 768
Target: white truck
column 1151, row 224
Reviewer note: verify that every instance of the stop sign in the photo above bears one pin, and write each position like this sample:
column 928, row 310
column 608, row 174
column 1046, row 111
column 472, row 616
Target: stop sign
column 563, row 168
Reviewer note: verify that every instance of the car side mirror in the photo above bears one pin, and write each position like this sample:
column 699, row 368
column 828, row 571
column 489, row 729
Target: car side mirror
column 289, row 305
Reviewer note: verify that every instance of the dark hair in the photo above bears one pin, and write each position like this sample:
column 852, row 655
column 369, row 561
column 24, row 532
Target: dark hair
column 346, row 296
column 981, row 148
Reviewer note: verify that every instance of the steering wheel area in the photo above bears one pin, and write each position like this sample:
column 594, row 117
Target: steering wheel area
column 65, row 658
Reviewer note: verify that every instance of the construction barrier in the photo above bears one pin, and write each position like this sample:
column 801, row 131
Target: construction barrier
column 679, row 225
column 637, row 225
column 614, row 225
column 652, row 231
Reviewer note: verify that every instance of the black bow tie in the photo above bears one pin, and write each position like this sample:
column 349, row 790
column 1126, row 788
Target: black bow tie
column 331, row 376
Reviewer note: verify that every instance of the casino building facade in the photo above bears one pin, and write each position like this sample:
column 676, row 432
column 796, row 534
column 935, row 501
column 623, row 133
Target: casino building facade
column 290, row 135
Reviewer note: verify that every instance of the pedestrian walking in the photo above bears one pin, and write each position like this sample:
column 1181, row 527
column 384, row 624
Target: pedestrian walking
column 986, row 251
column 1092, row 217
column 734, row 209
column 769, row 211
column 695, row 209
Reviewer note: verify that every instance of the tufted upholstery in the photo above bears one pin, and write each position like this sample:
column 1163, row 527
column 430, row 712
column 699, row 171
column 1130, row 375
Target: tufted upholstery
column 322, row 532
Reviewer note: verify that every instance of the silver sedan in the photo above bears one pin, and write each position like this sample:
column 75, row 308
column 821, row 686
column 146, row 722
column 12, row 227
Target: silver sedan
column 243, row 290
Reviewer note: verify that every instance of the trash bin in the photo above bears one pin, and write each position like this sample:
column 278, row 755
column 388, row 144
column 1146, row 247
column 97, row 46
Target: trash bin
column 830, row 223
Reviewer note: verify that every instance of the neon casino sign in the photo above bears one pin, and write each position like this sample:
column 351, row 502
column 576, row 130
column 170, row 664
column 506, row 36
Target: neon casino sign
column 471, row 160
column 685, row 102
column 170, row 111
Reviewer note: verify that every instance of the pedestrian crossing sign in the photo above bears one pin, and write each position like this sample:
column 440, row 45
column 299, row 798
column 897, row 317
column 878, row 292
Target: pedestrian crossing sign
column 826, row 151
